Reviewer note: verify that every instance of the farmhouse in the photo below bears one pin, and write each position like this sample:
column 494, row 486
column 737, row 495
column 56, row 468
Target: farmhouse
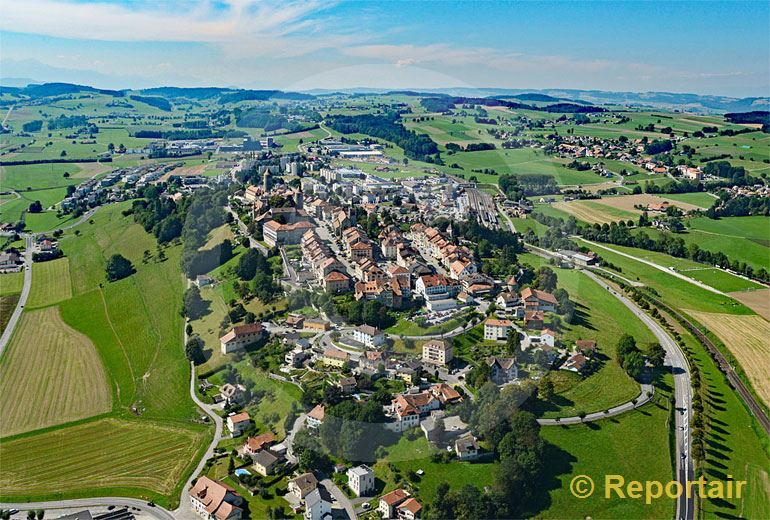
column 240, row 337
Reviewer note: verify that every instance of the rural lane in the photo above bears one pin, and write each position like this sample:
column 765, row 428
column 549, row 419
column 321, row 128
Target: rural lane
column 8, row 332
column 657, row 266
column 645, row 395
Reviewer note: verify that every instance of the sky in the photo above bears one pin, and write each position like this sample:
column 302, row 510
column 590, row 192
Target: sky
column 704, row 47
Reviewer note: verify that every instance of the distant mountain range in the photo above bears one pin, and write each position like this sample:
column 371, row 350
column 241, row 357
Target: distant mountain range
column 663, row 100
column 667, row 100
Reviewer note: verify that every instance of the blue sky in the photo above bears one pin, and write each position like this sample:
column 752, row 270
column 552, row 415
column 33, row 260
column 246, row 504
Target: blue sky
column 702, row 47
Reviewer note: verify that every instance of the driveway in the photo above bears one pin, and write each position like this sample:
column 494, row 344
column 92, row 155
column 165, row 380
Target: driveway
column 340, row 497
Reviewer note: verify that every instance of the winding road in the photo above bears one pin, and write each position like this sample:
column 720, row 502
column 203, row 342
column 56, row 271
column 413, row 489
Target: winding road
column 682, row 394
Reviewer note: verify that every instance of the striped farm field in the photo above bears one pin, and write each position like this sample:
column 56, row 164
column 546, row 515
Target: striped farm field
column 105, row 457
column 51, row 374
column 50, row 283
column 746, row 338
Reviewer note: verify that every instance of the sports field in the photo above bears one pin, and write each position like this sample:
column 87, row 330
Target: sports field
column 746, row 337
column 105, row 457
column 50, row 374
column 50, row 283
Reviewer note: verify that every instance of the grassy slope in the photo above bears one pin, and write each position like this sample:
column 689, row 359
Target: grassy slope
column 634, row 445
column 601, row 319
column 137, row 329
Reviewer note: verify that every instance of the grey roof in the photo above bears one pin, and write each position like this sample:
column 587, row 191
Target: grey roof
column 265, row 458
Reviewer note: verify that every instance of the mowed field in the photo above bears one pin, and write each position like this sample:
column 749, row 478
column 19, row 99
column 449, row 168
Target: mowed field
column 612, row 209
column 11, row 283
column 149, row 439
column 758, row 301
column 50, row 283
column 104, row 457
column 50, row 374
column 746, row 337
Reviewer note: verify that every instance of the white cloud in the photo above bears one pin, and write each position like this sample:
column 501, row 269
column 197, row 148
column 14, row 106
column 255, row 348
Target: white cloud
column 241, row 24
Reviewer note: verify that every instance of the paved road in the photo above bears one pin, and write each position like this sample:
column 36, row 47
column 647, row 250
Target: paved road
column 683, row 397
column 252, row 241
column 340, row 497
column 8, row 332
column 154, row 511
column 289, row 441
column 184, row 511
column 646, row 393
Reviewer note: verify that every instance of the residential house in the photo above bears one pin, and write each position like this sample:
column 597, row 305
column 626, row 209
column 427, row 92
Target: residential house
column 318, row 505
column 265, row 462
column 240, row 337
column 302, row 485
column 231, row 394
column 215, row 501
column 409, row 509
column 336, row 282
column 254, row 445
column 534, row 320
column 536, row 300
column 407, row 409
column 361, row 480
column 347, row 385
column 467, row 447
column 295, row 357
column 237, row 423
column 497, row 330
column 437, row 352
column 548, row 337
column 390, row 501
column 502, row 370
column 586, row 346
column 507, row 301
column 445, row 394
column 369, row 336
column 575, row 363
column 315, row 417
column 335, row 357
